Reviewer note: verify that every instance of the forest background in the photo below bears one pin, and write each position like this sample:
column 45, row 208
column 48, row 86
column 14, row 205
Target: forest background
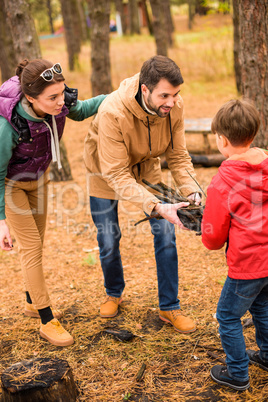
column 105, row 369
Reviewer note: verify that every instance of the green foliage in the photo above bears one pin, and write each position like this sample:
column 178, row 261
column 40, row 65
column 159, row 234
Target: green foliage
column 217, row 6
column 90, row 259
column 222, row 280
column 40, row 13
column 127, row 396
column 224, row 8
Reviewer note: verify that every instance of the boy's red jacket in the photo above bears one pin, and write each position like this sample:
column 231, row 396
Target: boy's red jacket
column 236, row 212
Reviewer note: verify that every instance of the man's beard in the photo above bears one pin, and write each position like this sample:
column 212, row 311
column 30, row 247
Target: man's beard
column 158, row 110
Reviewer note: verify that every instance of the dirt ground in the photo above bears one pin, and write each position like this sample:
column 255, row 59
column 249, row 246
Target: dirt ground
column 105, row 369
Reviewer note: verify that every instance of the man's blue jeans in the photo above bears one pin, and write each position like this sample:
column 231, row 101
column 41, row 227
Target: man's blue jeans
column 105, row 216
column 236, row 298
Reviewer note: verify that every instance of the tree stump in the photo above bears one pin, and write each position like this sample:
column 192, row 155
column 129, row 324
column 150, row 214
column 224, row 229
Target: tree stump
column 37, row 380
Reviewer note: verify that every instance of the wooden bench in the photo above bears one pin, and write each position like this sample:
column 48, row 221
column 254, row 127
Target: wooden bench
column 200, row 126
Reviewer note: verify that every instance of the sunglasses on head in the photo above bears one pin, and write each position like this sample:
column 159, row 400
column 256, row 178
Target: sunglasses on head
column 48, row 74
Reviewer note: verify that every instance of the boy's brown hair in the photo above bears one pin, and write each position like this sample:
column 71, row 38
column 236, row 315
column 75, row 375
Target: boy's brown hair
column 238, row 121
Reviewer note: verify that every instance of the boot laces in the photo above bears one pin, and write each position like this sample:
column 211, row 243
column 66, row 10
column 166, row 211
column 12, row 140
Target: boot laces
column 175, row 313
column 112, row 298
column 58, row 327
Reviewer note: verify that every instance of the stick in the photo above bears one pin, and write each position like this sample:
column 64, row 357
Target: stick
column 141, row 372
column 196, row 182
column 166, row 191
column 216, row 357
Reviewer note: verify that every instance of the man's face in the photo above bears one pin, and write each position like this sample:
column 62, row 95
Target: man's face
column 162, row 99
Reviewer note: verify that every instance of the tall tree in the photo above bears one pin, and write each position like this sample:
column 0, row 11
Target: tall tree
column 83, row 20
column 253, row 27
column 147, row 16
column 237, row 65
column 8, row 60
column 191, row 13
column 22, row 30
column 99, row 13
column 50, row 18
column 72, row 29
column 168, row 20
column 119, row 6
column 134, row 22
column 159, row 26
column 200, row 7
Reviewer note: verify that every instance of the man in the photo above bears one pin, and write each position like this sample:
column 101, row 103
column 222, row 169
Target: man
column 136, row 124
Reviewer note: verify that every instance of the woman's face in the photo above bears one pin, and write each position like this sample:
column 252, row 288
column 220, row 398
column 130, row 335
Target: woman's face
column 50, row 101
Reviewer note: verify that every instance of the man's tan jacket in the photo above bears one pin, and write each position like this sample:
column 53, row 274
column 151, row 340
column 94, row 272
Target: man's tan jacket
column 124, row 145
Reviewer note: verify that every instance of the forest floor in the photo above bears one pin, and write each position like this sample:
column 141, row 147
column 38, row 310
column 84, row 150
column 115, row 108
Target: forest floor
column 105, row 368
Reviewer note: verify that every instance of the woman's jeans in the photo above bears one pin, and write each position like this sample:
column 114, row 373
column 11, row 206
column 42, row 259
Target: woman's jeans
column 105, row 216
column 236, row 298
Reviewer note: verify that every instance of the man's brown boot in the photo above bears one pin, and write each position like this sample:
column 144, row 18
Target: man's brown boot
column 180, row 322
column 110, row 307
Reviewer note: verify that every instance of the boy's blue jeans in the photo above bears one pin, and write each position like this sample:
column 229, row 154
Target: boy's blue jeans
column 236, row 298
column 105, row 216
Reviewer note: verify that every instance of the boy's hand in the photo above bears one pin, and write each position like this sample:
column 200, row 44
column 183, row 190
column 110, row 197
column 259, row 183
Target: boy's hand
column 5, row 238
column 196, row 197
column 169, row 212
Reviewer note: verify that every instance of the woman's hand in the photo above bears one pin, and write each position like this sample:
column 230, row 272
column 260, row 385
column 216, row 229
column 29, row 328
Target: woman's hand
column 5, row 238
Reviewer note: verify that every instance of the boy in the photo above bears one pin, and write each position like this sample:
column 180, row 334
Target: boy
column 236, row 213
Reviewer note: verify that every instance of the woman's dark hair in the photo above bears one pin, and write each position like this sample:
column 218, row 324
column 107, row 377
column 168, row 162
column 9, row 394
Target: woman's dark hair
column 238, row 121
column 29, row 74
column 158, row 67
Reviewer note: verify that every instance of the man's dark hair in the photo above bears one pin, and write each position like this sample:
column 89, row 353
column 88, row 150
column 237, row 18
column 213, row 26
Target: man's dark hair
column 158, row 67
column 238, row 121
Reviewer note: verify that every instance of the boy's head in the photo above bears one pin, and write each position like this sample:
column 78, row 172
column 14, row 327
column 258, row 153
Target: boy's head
column 238, row 121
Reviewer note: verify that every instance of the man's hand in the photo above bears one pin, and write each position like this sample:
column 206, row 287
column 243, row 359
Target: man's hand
column 196, row 197
column 169, row 212
column 5, row 238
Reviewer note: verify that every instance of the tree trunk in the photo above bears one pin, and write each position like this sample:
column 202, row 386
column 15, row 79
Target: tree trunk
column 134, row 22
column 8, row 61
column 253, row 17
column 49, row 9
column 119, row 5
column 160, row 31
column 190, row 13
column 99, row 13
column 72, row 30
column 22, row 30
column 237, row 65
column 40, row 379
column 200, row 8
column 168, row 21
column 147, row 16
column 83, row 21
column 65, row 173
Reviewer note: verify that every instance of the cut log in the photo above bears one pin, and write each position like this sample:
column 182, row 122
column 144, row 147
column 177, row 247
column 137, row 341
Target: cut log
column 37, row 380
column 208, row 160
column 203, row 160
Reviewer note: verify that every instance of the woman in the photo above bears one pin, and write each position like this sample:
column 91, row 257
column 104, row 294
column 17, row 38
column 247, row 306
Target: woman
column 33, row 108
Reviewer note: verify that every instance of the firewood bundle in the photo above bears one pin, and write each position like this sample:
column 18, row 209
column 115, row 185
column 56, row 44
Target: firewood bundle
column 190, row 216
